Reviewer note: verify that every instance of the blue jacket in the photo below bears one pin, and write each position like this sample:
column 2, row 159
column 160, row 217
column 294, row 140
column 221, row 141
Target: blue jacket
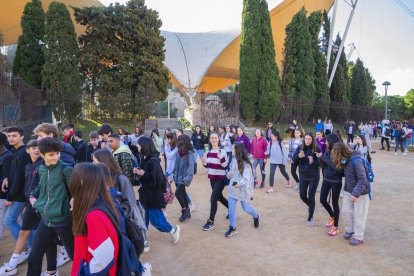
column 318, row 127
column 356, row 181
column 68, row 154
column 184, row 169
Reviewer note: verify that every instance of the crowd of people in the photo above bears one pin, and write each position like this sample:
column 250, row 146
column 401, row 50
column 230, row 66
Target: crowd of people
column 78, row 196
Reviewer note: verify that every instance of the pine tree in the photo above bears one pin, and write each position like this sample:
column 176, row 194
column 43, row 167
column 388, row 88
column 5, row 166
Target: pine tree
column 371, row 88
column 269, row 80
column 359, row 84
column 250, row 49
column 321, row 107
column 298, row 60
column 326, row 26
column 29, row 59
column 60, row 74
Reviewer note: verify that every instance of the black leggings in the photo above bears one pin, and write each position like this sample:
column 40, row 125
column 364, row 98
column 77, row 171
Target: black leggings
column 181, row 195
column 307, row 191
column 387, row 141
column 293, row 171
column 273, row 170
column 350, row 138
column 336, row 190
column 217, row 187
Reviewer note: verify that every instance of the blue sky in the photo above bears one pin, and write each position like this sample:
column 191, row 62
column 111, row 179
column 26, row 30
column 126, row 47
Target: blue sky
column 381, row 30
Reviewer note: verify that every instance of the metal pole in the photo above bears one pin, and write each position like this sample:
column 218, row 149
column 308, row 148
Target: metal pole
column 168, row 108
column 330, row 44
column 341, row 47
column 386, row 103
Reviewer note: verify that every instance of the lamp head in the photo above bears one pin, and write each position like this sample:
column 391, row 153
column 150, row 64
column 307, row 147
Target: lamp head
column 386, row 83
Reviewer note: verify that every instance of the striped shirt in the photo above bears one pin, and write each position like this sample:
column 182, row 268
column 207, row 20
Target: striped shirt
column 216, row 163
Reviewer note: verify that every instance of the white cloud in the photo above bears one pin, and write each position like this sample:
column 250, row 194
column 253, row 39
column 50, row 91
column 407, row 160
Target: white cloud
column 401, row 79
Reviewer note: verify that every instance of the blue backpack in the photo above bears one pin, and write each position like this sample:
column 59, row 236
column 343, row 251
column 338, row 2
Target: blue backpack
column 369, row 172
column 128, row 263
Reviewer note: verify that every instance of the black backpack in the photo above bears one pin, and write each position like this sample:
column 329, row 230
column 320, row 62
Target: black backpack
column 128, row 261
column 387, row 131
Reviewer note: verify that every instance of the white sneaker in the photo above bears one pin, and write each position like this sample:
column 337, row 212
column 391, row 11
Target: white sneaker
column 62, row 258
column 5, row 270
column 47, row 273
column 175, row 236
column 405, row 153
column 146, row 247
column 191, row 206
column 23, row 257
column 395, row 154
column 147, row 269
column 310, row 223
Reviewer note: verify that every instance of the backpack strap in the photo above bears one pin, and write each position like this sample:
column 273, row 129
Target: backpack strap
column 62, row 174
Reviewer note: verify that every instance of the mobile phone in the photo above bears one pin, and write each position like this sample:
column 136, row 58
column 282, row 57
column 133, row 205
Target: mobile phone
column 234, row 183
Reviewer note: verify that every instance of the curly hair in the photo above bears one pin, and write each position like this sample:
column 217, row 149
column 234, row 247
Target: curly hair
column 340, row 151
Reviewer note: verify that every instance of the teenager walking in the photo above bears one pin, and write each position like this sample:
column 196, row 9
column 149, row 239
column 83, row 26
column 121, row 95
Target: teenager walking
column 198, row 139
column 294, row 143
column 258, row 148
column 216, row 162
column 355, row 202
column 305, row 157
column 242, row 138
column 240, row 187
column 277, row 155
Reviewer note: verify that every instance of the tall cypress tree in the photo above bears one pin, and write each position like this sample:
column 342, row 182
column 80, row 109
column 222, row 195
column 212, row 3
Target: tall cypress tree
column 359, row 84
column 250, row 49
column 29, row 59
column 321, row 107
column 326, row 25
column 269, row 80
column 299, row 61
column 60, row 74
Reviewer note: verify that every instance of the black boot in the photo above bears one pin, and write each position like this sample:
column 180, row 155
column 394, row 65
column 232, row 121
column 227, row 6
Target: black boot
column 185, row 214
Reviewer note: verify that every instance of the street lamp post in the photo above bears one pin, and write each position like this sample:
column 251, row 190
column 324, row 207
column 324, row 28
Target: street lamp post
column 386, row 84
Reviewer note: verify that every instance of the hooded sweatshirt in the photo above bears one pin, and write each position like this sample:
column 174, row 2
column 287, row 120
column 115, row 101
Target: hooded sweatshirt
column 244, row 191
column 16, row 180
column 244, row 140
column 277, row 152
column 258, row 148
column 123, row 156
column 151, row 194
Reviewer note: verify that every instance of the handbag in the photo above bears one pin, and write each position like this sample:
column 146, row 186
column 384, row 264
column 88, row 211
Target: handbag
column 169, row 194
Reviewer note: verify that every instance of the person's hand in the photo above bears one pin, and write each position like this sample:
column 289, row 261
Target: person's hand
column 229, row 175
column 204, row 158
column 32, row 200
column 5, row 185
column 236, row 186
column 301, row 154
column 354, row 199
column 71, row 204
column 319, row 154
column 8, row 203
column 138, row 171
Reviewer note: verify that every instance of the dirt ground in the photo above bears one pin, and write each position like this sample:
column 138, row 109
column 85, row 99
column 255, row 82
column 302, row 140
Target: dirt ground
column 283, row 244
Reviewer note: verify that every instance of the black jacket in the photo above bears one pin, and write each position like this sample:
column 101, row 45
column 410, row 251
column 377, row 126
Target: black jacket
column 151, row 194
column 31, row 176
column 329, row 170
column 306, row 170
column 16, row 180
column 5, row 165
column 90, row 150
column 199, row 143
column 81, row 152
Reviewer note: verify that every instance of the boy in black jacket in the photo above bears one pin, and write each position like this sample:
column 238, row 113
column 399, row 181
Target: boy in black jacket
column 5, row 164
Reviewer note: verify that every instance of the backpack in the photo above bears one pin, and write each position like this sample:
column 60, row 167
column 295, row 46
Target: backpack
column 62, row 174
column 387, row 131
column 127, row 262
column 409, row 135
column 369, row 172
column 136, row 178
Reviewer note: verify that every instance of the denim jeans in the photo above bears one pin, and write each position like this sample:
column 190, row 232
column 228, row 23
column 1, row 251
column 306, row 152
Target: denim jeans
column 399, row 144
column 355, row 214
column 157, row 219
column 10, row 220
column 246, row 207
column 261, row 164
column 199, row 153
column 3, row 210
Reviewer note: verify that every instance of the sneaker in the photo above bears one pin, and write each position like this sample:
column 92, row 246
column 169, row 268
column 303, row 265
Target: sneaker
column 355, row 242
column 334, row 231
column 164, row 212
column 269, row 190
column 231, row 232
column 62, row 258
column 175, row 236
column 47, row 273
column 192, row 207
column 262, row 185
column 310, row 223
column 395, row 154
column 208, row 226
column 5, row 270
column 147, row 269
column 347, row 235
column 330, row 222
column 405, row 154
column 146, row 247
column 289, row 184
column 256, row 222
column 23, row 257
column 263, row 172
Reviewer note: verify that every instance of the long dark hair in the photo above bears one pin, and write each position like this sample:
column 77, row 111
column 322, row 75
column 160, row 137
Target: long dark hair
column 173, row 138
column 155, row 130
column 184, row 145
column 364, row 141
column 312, row 145
column 87, row 184
column 147, row 146
column 332, row 139
column 241, row 156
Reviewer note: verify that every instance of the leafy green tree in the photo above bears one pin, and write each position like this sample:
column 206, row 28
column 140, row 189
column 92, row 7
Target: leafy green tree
column 250, row 49
column 371, row 88
column 60, row 75
column 321, row 107
column 29, row 59
column 409, row 103
column 298, row 79
column 326, row 26
column 269, row 79
column 122, row 58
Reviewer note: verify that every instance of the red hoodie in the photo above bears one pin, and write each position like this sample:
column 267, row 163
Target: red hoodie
column 98, row 251
column 258, row 148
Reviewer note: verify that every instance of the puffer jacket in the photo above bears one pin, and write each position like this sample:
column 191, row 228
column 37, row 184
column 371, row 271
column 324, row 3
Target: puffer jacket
column 356, row 181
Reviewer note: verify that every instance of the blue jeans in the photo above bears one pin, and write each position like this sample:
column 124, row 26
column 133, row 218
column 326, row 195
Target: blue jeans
column 261, row 164
column 232, row 210
column 187, row 197
column 198, row 152
column 157, row 219
column 10, row 220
